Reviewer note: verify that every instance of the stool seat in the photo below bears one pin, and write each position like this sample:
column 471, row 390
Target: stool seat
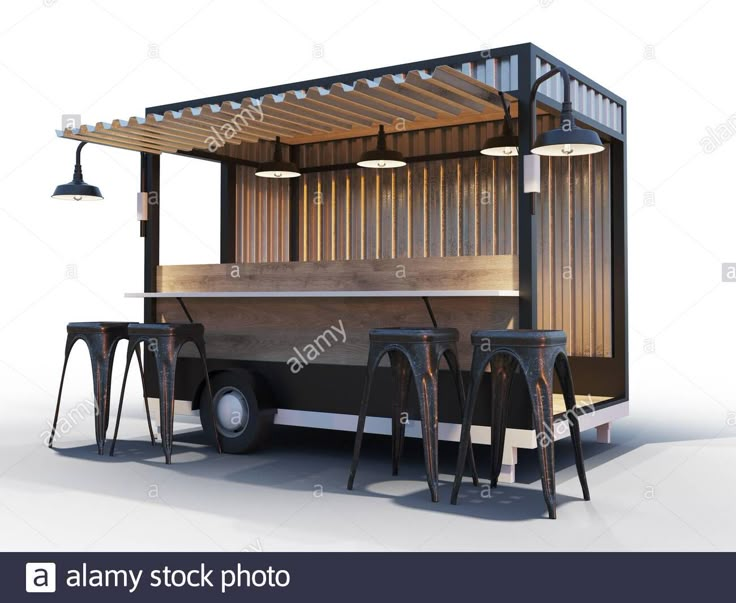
column 520, row 337
column 413, row 334
column 181, row 329
column 109, row 327
column 415, row 355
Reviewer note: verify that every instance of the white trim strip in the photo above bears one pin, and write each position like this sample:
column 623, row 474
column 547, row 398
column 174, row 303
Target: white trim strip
column 417, row 293
column 480, row 434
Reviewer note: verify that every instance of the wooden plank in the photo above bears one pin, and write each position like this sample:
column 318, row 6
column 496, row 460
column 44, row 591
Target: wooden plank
column 335, row 112
column 163, row 139
column 139, row 124
column 401, row 274
column 105, row 131
column 350, row 104
column 289, row 128
column 268, row 330
column 384, row 99
column 302, row 114
column 467, row 86
column 173, row 127
column 408, row 89
column 253, row 127
column 112, row 142
column 418, row 124
column 437, row 91
column 210, row 125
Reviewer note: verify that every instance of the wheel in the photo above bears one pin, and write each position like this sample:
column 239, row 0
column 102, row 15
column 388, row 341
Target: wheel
column 242, row 411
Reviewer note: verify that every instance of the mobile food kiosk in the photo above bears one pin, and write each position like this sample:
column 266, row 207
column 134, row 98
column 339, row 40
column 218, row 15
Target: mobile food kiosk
column 455, row 237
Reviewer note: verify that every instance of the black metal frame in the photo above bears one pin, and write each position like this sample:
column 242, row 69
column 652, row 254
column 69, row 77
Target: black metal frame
column 608, row 376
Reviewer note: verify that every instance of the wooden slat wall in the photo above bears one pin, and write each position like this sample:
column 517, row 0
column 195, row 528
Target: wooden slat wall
column 574, row 246
column 262, row 214
column 438, row 208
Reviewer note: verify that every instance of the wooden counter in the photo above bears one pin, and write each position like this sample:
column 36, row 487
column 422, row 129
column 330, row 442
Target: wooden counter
column 458, row 273
column 268, row 312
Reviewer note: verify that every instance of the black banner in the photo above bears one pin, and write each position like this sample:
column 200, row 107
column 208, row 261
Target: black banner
column 358, row 577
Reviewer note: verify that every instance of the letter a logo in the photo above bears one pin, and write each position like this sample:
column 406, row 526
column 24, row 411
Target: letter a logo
column 40, row 577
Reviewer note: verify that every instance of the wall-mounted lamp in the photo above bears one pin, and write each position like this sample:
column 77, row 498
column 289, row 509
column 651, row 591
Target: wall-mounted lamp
column 278, row 168
column 77, row 189
column 568, row 140
column 381, row 157
column 506, row 145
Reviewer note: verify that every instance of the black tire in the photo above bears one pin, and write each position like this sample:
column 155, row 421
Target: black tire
column 244, row 423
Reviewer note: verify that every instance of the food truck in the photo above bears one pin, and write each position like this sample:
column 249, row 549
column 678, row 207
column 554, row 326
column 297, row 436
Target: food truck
column 316, row 250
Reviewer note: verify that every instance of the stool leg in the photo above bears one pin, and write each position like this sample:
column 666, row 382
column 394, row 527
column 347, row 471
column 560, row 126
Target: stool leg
column 203, row 355
column 70, row 341
column 402, row 378
column 476, row 374
column 102, row 379
column 166, row 378
column 145, row 397
column 564, row 374
column 374, row 357
column 457, row 377
column 540, row 392
column 426, row 384
column 503, row 367
column 128, row 358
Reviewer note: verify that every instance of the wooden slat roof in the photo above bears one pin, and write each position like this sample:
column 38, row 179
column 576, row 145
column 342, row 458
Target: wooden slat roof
column 418, row 98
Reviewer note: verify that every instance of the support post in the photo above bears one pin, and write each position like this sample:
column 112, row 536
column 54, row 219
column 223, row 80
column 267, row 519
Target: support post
column 227, row 212
column 526, row 219
column 151, row 179
column 294, row 209
column 151, row 182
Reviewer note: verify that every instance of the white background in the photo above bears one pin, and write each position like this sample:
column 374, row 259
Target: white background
column 670, row 61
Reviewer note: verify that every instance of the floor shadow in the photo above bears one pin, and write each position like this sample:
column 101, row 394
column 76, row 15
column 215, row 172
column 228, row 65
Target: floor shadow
column 297, row 458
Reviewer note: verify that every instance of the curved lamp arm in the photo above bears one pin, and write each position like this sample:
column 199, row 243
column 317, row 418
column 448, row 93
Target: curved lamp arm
column 506, row 114
column 566, row 104
column 78, row 165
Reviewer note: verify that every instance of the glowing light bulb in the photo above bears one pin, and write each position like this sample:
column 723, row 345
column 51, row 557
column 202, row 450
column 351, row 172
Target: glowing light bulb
column 567, row 149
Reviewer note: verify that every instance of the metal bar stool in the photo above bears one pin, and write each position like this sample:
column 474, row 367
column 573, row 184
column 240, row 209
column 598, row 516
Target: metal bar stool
column 102, row 339
column 165, row 341
column 538, row 354
column 414, row 353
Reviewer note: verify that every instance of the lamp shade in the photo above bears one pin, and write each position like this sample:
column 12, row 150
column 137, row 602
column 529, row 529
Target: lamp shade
column 77, row 189
column 278, row 168
column 501, row 146
column 381, row 157
column 568, row 140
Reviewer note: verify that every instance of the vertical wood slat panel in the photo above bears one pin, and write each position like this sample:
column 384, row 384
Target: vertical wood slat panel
column 574, row 247
column 262, row 212
column 428, row 209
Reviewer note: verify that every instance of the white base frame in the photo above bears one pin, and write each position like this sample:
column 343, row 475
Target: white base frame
column 601, row 420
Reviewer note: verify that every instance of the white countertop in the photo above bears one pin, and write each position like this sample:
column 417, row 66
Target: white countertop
column 255, row 294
